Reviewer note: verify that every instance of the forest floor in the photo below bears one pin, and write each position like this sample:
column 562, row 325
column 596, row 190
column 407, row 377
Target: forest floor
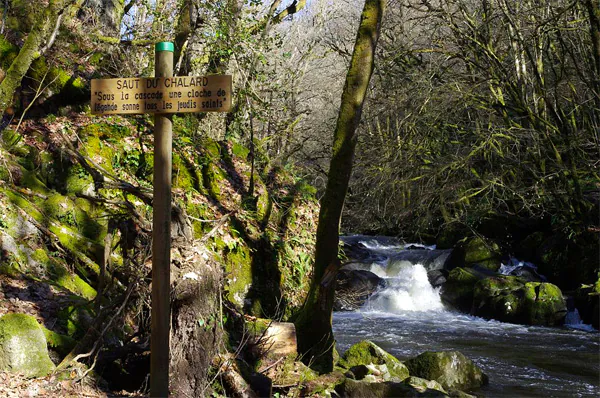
column 43, row 302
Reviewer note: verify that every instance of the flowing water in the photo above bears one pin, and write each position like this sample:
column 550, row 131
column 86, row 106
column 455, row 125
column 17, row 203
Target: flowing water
column 408, row 318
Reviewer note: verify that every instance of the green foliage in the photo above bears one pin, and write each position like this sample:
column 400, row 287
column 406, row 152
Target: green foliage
column 473, row 137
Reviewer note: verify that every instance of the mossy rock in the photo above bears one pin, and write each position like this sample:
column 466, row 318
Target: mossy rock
column 367, row 352
column 8, row 52
column 78, row 182
column 59, row 342
column 290, row 372
column 360, row 389
column 76, row 320
column 23, row 346
column 500, row 298
column 450, row 368
column 238, row 268
column 460, row 284
column 423, row 385
column 321, row 386
column 480, row 251
column 544, row 304
column 512, row 299
column 182, row 176
column 62, row 82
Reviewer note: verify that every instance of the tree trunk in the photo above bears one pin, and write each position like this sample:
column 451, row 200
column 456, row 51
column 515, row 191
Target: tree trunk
column 315, row 336
column 30, row 51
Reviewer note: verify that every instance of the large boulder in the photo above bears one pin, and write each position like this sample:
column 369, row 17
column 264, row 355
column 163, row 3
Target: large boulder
column 478, row 250
column 23, row 346
column 429, row 259
column 449, row 368
column 358, row 247
column 457, row 292
column 368, row 353
column 512, row 299
column 353, row 289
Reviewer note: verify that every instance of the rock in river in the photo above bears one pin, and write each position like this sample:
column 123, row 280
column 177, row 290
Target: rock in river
column 512, row 299
column 353, row 289
column 449, row 368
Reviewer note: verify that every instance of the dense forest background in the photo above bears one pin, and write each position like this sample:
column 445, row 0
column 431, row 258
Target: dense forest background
column 482, row 119
column 478, row 109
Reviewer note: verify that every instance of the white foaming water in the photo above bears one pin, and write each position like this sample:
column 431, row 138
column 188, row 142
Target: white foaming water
column 408, row 290
column 513, row 264
column 574, row 321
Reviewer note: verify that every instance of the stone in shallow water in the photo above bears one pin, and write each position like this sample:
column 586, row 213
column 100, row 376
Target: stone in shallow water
column 353, row 288
column 368, row 353
column 450, row 368
column 23, row 346
column 512, row 299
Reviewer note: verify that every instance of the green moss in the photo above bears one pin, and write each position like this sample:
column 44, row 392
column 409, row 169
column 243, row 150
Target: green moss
column 8, row 53
column 258, row 326
column 59, row 342
column 100, row 151
column 422, row 384
column 292, row 372
column 30, row 180
column 450, row 368
column 10, row 267
column 482, row 252
column 75, row 319
column 23, row 346
column 544, row 304
column 367, row 352
column 238, row 267
column 239, row 150
column 61, row 276
column 80, row 247
column 511, row 299
column 96, row 58
column 212, row 148
column 62, row 81
column 210, row 180
column 12, row 141
column 182, row 178
column 59, row 206
column 78, row 181
column 459, row 287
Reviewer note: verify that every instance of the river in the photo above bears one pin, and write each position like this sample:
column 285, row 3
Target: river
column 408, row 318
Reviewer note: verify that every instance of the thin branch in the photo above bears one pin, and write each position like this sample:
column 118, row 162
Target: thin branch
column 53, row 36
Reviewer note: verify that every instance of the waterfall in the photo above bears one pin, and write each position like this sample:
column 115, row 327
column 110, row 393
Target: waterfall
column 407, row 290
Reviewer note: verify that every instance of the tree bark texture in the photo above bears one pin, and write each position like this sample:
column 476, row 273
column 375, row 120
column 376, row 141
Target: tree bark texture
column 315, row 336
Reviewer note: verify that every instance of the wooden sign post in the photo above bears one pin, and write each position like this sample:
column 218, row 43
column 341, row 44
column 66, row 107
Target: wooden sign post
column 162, row 95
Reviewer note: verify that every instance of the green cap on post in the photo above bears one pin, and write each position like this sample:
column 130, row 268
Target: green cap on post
column 164, row 46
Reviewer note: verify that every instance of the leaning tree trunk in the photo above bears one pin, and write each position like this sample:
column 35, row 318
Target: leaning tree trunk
column 315, row 336
column 40, row 32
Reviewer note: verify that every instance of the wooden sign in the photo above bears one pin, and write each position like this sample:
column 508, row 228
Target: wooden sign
column 161, row 95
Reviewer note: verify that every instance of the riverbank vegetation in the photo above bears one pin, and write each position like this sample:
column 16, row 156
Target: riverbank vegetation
column 480, row 123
